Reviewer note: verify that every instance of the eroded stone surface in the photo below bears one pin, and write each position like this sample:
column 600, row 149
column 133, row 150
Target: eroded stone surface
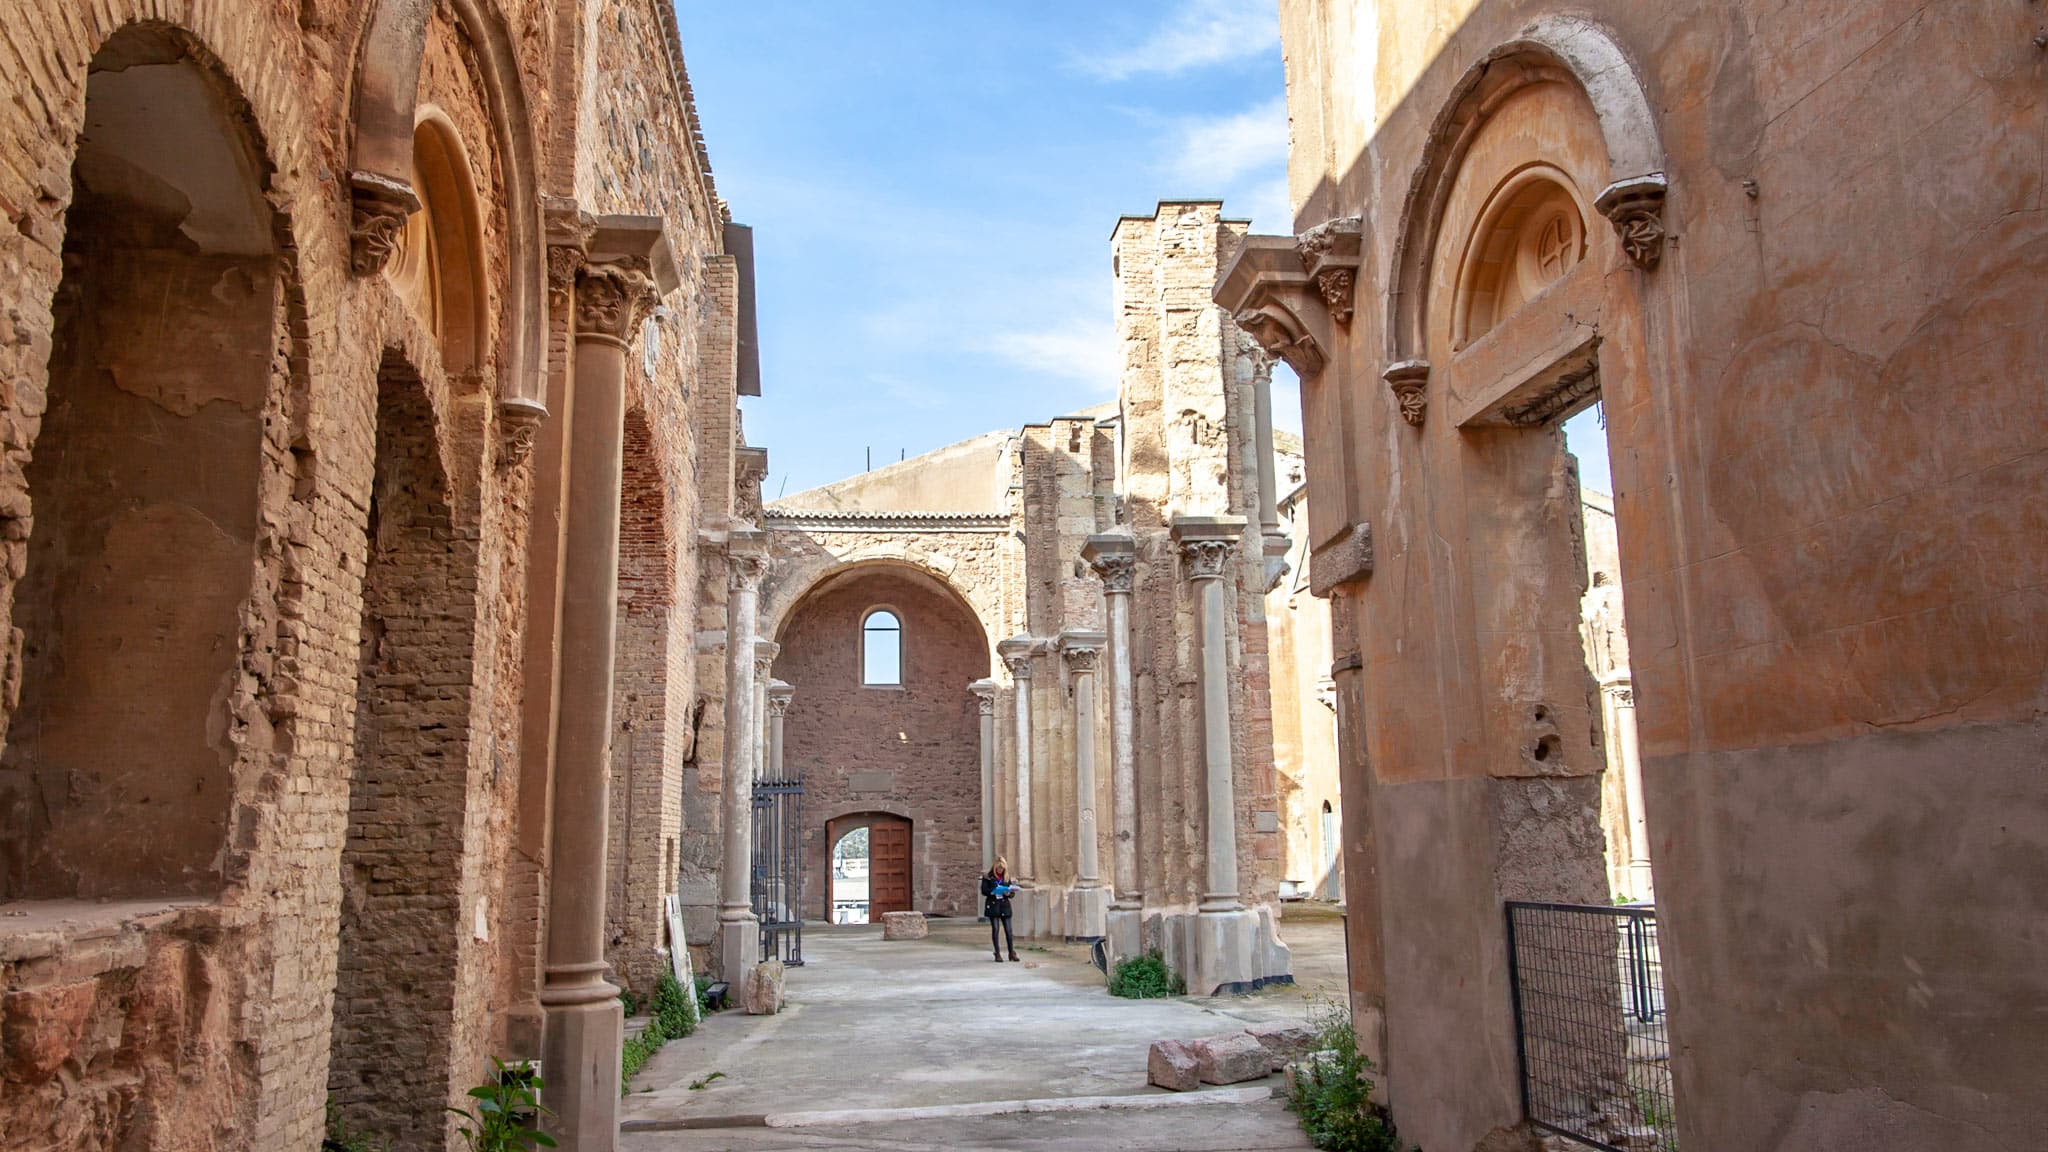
column 904, row 926
column 1173, row 1064
column 1231, row 1058
column 763, row 995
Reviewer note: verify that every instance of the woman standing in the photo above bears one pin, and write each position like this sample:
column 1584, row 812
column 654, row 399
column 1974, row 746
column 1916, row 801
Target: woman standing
column 995, row 904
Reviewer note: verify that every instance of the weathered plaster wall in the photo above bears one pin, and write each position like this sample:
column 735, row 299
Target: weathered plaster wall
column 1825, row 429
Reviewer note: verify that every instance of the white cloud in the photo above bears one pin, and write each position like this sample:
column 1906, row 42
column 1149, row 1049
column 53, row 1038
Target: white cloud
column 1211, row 154
column 1085, row 351
column 1200, row 33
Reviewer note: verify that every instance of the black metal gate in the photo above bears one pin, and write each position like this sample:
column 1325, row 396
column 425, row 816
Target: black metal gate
column 1589, row 1024
column 779, row 868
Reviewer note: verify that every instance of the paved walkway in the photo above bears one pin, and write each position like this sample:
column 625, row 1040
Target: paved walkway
column 951, row 1045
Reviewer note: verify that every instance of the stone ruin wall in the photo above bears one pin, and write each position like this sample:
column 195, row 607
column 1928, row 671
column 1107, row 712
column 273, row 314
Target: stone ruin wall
column 218, row 1014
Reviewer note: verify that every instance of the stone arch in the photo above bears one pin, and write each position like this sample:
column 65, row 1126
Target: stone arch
column 400, row 1049
column 840, row 820
column 437, row 264
column 1571, row 49
column 384, row 182
column 164, row 360
column 793, row 585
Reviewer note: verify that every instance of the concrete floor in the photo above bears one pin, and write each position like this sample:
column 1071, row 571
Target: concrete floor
column 935, row 1024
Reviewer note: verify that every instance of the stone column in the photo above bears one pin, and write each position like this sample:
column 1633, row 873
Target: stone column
column 1621, row 698
column 1115, row 558
column 775, row 697
column 629, row 269
column 779, row 694
column 1016, row 653
column 1087, row 917
column 739, row 930
column 985, row 701
column 1225, row 930
column 1262, row 444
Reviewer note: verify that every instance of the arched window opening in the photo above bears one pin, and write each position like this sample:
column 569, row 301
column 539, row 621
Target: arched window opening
column 437, row 267
column 117, row 777
column 1529, row 236
column 881, row 650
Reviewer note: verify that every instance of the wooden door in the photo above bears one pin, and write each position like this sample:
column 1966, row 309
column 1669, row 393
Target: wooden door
column 888, row 867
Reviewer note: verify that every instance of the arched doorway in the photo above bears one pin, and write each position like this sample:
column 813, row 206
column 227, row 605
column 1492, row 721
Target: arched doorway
column 885, row 734
column 870, row 869
column 144, row 489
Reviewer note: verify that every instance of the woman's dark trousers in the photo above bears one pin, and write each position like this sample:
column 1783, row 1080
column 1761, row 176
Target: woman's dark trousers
column 999, row 934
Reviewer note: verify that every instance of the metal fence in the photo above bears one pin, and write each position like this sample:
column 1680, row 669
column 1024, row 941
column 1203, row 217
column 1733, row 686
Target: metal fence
column 1589, row 1024
column 779, row 868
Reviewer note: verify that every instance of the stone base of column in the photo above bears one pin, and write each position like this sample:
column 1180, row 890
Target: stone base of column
column 1031, row 912
column 1087, row 914
column 1225, row 958
column 739, row 949
column 1124, row 929
column 580, row 1065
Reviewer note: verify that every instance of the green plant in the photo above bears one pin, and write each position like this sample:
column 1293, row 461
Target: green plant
column 700, row 1085
column 674, row 1009
column 1332, row 1093
column 1145, row 978
column 340, row 1139
column 704, row 984
column 637, row 1051
column 500, row 1119
column 629, row 1002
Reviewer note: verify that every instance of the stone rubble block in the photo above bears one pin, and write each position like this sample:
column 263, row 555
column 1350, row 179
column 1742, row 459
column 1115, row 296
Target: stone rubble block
column 1230, row 1059
column 1172, row 1065
column 1283, row 1042
column 764, row 989
column 904, row 926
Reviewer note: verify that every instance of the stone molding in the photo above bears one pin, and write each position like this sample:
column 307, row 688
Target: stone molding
column 1346, row 559
column 1635, row 207
column 1206, row 544
column 1273, row 299
column 378, row 209
column 1409, row 381
column 1330, row 254
column 811, row 520
column 1114, row 556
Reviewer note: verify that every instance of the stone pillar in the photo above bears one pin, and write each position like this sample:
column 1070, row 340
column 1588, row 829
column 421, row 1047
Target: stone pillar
column 1262, row 444
column 779, row 694
column 1225, row 932
column 1115, row 558
column 1088, row 914
column 1621, row 699
column 628, row 270
column 739, row 930
column 1016, row 653
column 985, row 701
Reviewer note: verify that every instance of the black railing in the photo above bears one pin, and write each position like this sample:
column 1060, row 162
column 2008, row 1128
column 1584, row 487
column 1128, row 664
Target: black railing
column 779, row 868
column 1589, row 1024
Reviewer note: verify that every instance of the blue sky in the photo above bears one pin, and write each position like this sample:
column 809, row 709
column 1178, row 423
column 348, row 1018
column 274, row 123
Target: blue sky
column 932, row 187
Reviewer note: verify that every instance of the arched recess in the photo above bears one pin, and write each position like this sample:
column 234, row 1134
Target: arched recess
column 650, row 715
column 1570, row 49
column 437, row 263
column 399, row 1051
column 383, row 180
column 793, row 584
column 118, row 775
column 913, row 750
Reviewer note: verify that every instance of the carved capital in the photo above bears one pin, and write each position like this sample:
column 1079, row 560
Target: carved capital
column 1636, row 209
column 1016, row 654
column 984, row 696
column 1206, row 559
column 1330, row 254
column 519, row 421
column 1410, row 382
column 746, row 570
column 750, row 468
column 612, row 298
column 1082, row 649
column 779, row 694
column 1119, row 573
column 378, row 208
column 1019, row 666
column 765, row 652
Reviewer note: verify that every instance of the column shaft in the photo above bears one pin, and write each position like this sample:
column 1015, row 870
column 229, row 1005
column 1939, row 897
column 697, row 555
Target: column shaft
column 1262, row 444
column 985, row 703
column 1632, row 788
column 1123, row 755
column 738, row 927
column 1219, row 787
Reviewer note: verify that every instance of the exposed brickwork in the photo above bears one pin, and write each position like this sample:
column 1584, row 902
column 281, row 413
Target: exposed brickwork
column 911, row 751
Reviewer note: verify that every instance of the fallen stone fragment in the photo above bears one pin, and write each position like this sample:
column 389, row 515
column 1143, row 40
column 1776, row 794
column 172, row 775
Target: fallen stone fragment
column 1230, row 1059
column 904, row 926
column 1173, row 1066
column 1283, row 1042
column 764, row 989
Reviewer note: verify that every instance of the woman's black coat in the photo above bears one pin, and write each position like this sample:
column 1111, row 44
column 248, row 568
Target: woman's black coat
column 992, row 905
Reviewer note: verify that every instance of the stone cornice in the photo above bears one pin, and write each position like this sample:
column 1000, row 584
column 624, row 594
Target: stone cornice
column 835, row 521
column 1274, row 299
column 1344, row 560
